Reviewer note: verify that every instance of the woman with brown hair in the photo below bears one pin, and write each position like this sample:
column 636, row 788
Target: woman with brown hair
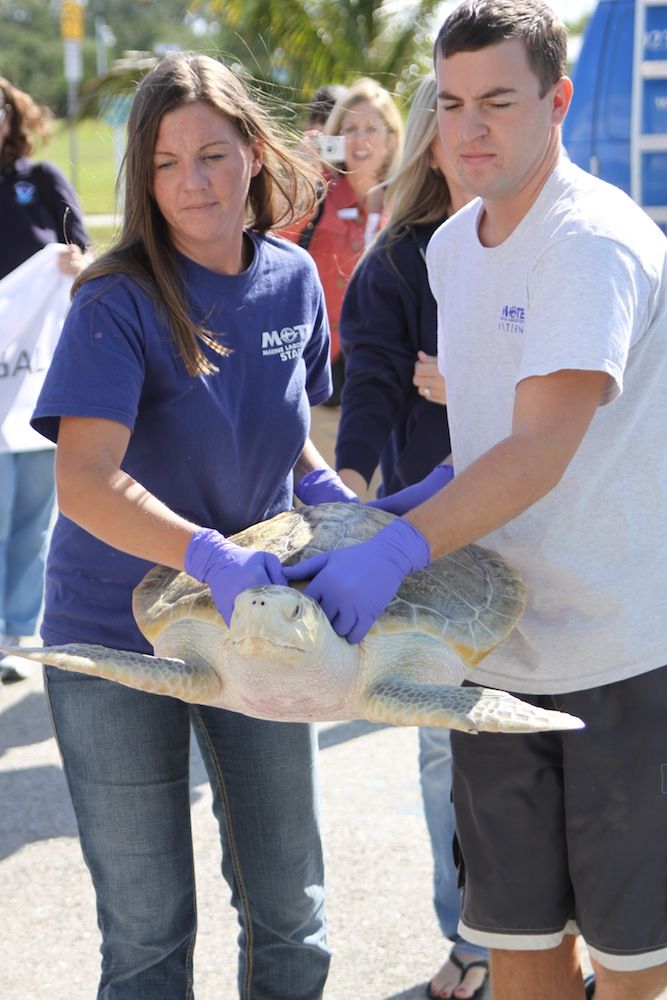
column 38, row 208
column 179, row 397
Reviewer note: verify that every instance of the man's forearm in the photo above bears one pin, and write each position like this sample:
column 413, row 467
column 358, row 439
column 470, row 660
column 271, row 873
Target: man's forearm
column 493, row 490
column 551, row 416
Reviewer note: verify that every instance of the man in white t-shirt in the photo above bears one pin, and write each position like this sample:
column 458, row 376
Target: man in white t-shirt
column 552, row 299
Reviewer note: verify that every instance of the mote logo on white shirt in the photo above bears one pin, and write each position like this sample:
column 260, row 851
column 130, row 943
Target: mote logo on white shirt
column 511, row 319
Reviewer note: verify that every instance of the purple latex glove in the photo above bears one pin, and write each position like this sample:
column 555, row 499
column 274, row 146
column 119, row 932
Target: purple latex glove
column 228, row 569
column 323, row 486
column 353, row 585
column 412, row 496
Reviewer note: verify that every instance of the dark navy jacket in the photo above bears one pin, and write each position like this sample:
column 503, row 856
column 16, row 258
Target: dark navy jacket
column 388, row 315
column 34, row 203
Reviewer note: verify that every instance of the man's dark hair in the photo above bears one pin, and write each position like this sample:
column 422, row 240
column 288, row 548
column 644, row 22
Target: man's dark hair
column 476, row 24
column 322, row 103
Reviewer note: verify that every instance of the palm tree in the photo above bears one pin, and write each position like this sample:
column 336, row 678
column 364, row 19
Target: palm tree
column 296, row 46
column 289, row 48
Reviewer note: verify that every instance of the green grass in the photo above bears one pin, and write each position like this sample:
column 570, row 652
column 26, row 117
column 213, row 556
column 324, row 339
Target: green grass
column 94, row 175
column 101, row 237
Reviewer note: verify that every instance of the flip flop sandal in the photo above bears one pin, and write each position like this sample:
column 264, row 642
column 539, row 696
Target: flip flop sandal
column 589, row 985
column 480, row 963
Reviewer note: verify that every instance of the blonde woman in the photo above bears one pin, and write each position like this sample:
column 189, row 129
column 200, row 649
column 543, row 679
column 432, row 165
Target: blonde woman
column 180, row 416
column 368, row 120
column 393, row 416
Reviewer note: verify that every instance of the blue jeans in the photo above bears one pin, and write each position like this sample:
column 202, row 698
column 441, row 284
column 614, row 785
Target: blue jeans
column 126, row 759
column 27, row 494
column 435, row 768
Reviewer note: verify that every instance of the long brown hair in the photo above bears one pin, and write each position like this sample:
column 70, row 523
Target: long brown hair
column 283, row 192
column 27, row 121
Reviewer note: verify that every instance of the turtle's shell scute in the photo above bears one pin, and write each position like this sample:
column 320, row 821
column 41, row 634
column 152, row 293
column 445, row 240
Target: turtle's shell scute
column 470, row 599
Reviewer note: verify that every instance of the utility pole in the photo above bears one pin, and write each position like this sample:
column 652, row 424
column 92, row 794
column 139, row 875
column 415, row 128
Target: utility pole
column 71, row 30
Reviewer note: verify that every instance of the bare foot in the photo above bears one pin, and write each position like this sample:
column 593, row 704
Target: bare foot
column 450, row 983
column 445, row 981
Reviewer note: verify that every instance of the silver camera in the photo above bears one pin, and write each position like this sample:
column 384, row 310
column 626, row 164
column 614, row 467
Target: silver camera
column 332, row 148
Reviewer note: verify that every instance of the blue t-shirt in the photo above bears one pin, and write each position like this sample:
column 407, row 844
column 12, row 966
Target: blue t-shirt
column 218, row 449
column 37, row 206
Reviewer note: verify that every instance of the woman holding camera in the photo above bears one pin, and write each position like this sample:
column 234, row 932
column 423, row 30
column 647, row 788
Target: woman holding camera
column 362, row 141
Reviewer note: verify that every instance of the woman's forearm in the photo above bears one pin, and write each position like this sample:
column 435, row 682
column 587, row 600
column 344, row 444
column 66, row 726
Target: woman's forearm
column 355, row 481
column 119, row 511
column 309, row 460
column 94, row 492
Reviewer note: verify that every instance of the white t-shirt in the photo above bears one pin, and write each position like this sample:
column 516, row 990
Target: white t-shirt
column 581, row 283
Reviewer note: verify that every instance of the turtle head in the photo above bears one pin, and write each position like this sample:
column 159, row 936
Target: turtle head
column 266, row 618
column 285, row 660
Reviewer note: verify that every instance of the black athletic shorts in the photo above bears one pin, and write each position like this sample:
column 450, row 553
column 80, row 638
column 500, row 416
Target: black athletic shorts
column 565, row 833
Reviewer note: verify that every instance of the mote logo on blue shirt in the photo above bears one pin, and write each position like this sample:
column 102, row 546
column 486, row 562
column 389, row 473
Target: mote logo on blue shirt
column 24, row 192
column 288, row 343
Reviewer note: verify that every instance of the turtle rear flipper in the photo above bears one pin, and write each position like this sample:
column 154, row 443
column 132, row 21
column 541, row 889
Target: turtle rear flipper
column 189, row 681
column 473, row 710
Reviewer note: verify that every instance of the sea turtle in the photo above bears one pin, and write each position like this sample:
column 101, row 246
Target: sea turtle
column 280, row 658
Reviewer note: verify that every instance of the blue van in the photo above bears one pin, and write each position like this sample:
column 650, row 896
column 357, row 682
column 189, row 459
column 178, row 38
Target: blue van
column 617, row 125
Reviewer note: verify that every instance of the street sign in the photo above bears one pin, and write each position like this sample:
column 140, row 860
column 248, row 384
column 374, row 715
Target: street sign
column 71, row 20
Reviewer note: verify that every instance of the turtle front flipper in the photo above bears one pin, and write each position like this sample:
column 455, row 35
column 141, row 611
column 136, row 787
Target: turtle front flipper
column 473, row 710
column 193, row 682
